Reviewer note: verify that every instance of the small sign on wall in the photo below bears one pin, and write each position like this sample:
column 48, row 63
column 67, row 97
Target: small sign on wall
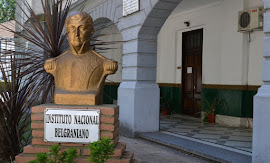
column 130, row 6
column 70, row 125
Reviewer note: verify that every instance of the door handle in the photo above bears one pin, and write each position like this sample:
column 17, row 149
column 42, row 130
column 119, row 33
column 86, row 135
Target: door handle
column 194, row 87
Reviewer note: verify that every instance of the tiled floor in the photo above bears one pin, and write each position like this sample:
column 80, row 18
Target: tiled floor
column 239, row 138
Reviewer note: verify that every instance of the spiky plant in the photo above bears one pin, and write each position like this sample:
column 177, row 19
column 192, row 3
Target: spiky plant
column 24, row 79
column 14, row 112
column 48, row 39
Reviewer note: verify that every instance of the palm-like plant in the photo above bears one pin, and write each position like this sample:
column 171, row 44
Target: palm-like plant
column 211, row 107
column 25, row 80
column 14, row 112
column 49, row 40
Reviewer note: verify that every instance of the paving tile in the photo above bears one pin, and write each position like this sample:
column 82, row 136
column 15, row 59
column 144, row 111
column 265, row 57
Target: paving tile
column 192, row 124
column 245, row 149
column 239, row 144
column 173, row 120
column 224, row 137
column 180, row 130
column 206, row 136
column 214, row 129
column 169, row 123
column 210, row 140
column 243, row 129
column 190, row 135
column 164, row 125
column 186, row 126
column 195, row 131
column 242, row 133
column 201, row 127
column 228, row 133
column 211, row 132
column 221, row 142
column 240, row 138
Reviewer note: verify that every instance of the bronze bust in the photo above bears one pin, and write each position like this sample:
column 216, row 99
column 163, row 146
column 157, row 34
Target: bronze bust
column 80, row 72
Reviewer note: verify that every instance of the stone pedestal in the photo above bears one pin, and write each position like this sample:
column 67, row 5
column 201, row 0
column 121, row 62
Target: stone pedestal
column 261, row 128
column 78, row 99
column 109, row 127
column 139, row 103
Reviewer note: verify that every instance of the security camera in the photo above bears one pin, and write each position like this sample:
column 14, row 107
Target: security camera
column 187, row 24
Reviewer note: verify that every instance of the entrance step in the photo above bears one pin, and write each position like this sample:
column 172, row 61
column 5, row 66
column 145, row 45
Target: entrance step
column 207, row 150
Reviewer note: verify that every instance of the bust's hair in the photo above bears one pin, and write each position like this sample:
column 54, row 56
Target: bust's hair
column 79, row 16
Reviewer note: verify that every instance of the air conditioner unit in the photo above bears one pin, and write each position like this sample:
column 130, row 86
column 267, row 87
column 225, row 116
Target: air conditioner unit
column 250, row 19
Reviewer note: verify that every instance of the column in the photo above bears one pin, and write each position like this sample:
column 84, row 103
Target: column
column 138, row 94
column 261, row 113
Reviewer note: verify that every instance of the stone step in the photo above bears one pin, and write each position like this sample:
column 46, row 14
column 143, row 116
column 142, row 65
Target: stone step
column 206, row 150
column 118, row 150
column 35, row 150
column 126, row 158
column 21, row 158
column 119, row 154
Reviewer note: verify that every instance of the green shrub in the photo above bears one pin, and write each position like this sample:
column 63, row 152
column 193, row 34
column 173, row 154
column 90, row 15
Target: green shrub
column 101, row 150
column 55, row 156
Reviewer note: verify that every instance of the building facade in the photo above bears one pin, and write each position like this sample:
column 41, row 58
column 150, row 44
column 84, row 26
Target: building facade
column 153, row 47
column 229, row 64
column 153, row 59
column 156, row 62
column 186, row 52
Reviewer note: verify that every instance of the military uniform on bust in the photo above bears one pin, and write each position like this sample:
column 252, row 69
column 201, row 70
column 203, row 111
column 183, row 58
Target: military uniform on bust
column 79, row 73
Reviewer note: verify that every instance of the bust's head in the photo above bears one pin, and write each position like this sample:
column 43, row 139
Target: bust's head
column 79, row 26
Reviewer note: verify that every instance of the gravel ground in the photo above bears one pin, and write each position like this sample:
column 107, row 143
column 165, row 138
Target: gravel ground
column 149, row 152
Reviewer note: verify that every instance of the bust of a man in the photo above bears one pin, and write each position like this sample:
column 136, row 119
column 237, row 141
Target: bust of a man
column 80, row 72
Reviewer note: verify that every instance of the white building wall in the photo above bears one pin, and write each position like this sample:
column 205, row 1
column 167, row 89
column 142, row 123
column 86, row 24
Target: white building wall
column 255, row 58
column 228, row 56
column 113, row 37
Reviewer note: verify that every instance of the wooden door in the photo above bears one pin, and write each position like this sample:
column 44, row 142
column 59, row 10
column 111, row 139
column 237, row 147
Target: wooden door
column 192, row 72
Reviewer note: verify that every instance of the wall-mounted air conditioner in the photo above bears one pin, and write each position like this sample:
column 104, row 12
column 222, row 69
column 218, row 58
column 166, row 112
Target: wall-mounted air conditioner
column 250, row 19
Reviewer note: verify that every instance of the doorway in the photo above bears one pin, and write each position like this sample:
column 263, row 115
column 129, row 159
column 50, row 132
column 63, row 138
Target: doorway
column 192, row 46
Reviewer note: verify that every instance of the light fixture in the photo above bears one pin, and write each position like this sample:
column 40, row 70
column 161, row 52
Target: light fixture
column 187, row 23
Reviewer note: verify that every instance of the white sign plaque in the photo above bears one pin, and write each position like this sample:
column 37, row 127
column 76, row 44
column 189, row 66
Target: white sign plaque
column 71, row 125
column 130, row 6
column 189, row 70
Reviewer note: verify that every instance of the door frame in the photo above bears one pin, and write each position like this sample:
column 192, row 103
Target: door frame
column 179, row 58
column 178, row 51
